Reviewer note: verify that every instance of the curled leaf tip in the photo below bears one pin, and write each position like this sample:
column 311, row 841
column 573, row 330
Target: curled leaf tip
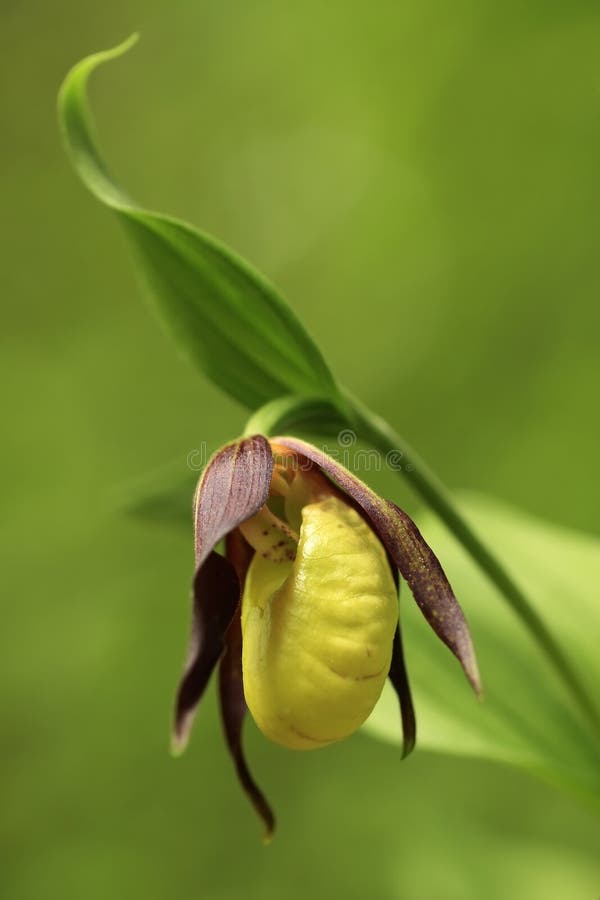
column 75, row 79
column 116, row 51
column 128, row 43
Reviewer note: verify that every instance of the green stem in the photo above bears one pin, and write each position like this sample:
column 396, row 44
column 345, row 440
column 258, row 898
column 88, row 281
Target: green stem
column 378, row 433
column 318, row 415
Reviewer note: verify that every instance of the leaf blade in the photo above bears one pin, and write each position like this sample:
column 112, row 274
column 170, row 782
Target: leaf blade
column 230, row 321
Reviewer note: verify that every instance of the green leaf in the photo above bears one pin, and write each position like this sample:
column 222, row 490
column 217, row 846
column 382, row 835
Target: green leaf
column 230, row 321
column 527, row 717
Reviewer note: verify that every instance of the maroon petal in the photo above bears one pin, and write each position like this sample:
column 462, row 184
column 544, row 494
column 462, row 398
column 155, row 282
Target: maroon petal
column 216, row 598
column 399, row 679
column 423, row 572
column 416, row 561
column 398, row 676
column 231, row 688
column 234, row 486
column 239, row 553
column 233, row 711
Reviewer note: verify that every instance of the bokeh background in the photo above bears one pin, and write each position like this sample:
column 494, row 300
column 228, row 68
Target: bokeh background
column 422, row 181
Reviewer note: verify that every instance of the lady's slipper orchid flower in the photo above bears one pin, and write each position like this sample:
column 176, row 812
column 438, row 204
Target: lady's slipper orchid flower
column 301, row 612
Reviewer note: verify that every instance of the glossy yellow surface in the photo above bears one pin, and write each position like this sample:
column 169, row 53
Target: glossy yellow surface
column 317, row 633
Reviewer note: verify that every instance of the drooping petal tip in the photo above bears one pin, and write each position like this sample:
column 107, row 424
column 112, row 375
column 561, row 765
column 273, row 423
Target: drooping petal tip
column 399, row 679
column 231, row 693
column 431, row 589
column 178, row 743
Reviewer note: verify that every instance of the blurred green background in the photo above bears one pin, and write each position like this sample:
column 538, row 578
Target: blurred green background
column 422, row 181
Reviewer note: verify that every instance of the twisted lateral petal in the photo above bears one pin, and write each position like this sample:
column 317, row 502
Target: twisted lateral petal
column 399, row 679
column 233, row 712
column 398, row 676
column 416, row 561
column 233, row 487
column 216, row 597
column 231, row 689
column 422, row 571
